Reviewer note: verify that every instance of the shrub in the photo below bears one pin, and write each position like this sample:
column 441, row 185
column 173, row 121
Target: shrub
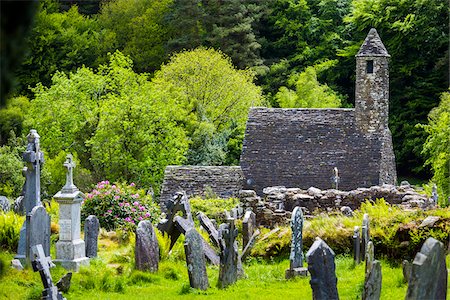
column 213, row 208
column 119, row 206
column 11, row 179
column 10, row 225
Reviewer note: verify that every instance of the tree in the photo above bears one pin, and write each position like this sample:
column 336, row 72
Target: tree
column 117, row 124
column 308, row 91
column 217, row 98
column 437, row 145
column 58, row 42
column 138, row 29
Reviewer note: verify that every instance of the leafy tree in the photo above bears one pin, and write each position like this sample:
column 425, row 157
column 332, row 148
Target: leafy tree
column 415, row 34
column 11, row 119
column 11, row 179
column 58, row 41
column 117, row 124
column 308, row 91
column 437, row 145
column 216, row 97
column 138, row 29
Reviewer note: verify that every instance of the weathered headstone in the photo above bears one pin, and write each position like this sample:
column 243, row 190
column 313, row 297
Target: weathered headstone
column 91, row 230
column 250, row 245
column 296, row 257
column 322, row 268
column 356, row 245
column 43, row 263
column 248, row 227
column 336, row 178
column 195, row 260
column 428, row 278
column 365, row 235
column 370, row 257
column 147, row 249
column 228, row 254
column 206, row 223
column 70, row 248
column 38, row 231
column 33, row 157
column 63, row 283
column 4, row 204
column 406, row 269
column 372, row 283
column 434, row 195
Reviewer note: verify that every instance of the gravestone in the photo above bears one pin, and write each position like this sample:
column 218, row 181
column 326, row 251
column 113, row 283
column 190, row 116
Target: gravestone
column 406, row 269
column 38, row 231
column 296, row 257
column 206, row 223
column 365, row 235
column 336, row 179
column 195, row 260
column 91, row 230
column 370, row 256
column 434, row 194
column 33, row 158
column 4, row 204
column 372, row 283
column 249, row 245
column 43, row 263
column 322, row 268
column 70, row 248
column 248, row 227
column 147, row 249
column 356, row 245
column 428, row 278
column 63, row 283
column 228, row 271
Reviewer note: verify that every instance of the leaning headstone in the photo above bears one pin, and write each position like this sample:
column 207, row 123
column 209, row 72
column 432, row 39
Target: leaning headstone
column 372, row 283
column 228, row 254
column 38, row 231
column 206, row 223
column 428, row 278
column 43, row 263
column 250, row 245
column 147, row 249
column 248, row 227
column 70, row 248
column 16, row 264
column 63, row 284
column 356, row 245
column 322, row 268
column 91, row 230
column 195, row 260
column 296, row 257
column 4, row 204
column 33, row 158
column 365, row 235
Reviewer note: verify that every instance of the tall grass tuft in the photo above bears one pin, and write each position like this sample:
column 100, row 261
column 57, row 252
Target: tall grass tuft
column 10, row 224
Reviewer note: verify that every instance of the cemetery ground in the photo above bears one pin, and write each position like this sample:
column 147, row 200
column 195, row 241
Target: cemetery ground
column 112, row 275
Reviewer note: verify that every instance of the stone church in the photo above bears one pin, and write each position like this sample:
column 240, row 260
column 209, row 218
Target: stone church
column 305, row 147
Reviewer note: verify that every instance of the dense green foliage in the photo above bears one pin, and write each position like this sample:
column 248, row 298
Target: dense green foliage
column 11, row 179
column 119, row 206
column 437, row 146
column 10, row 225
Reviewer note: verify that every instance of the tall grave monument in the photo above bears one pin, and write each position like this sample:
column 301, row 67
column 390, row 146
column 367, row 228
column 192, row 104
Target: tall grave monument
column 70, row 249
column 36, row 228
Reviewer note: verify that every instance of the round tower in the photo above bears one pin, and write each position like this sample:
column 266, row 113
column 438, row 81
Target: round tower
column 372, row 85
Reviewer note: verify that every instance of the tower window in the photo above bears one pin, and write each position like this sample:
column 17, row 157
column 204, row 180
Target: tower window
column 369, row 67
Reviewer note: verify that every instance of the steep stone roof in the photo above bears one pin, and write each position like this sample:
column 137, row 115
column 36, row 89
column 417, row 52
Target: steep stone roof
column 372, row 46
column 301, row 147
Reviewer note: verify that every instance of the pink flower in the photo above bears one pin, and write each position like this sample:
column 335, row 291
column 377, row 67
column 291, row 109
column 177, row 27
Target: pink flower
column 116, row 197
column 121, row 204
column 133, row 209
column 136, row 203
column 127, row 204
column 132, row 184
column 109, row 211
column 135, row 196
column 128, row 219
column 140, row 218
column 106, row 182
column 113, row 186
column 147, row 214
column 141, row 208
column 90, row 196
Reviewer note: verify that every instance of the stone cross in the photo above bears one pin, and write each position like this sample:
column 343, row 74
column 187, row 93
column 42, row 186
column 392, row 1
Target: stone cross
column 228, row 254
column 322, row 268
column 195, row 260
column 91, row 230
column 428, row 278
column 43, row 263
column 336, row 178
column 356, row 245
column 70, row 248
column 33, row 158
column 365, row 235
column 296, row 257
column 147, row 249
column 69, row 187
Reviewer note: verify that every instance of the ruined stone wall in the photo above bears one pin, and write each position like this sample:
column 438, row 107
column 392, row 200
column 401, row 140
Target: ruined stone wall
column 300, row 147
column 224, row 181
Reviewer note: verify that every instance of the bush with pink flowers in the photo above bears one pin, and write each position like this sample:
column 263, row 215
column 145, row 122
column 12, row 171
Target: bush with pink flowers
column 119, row 206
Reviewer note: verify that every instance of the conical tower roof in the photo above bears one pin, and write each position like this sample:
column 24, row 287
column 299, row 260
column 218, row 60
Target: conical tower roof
column 372, row 46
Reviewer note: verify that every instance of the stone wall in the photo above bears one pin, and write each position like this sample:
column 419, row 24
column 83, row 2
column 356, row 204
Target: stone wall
column 224, row 181
column 300, row 148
